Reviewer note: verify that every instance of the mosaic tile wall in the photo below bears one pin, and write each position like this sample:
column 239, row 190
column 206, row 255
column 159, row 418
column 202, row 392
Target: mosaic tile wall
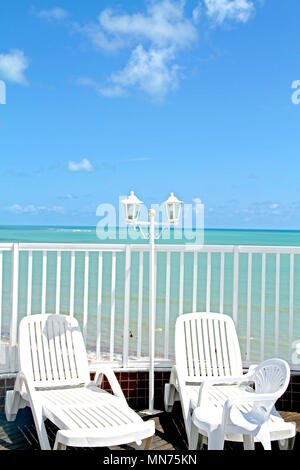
column 135, row 388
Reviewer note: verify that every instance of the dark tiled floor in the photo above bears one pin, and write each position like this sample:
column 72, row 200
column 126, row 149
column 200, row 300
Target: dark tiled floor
column 170, row 433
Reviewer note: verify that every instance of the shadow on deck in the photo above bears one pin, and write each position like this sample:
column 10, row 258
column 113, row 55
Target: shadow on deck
column 170, row 433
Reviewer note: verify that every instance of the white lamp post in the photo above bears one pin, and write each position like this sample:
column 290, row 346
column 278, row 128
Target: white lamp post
column 132, row 207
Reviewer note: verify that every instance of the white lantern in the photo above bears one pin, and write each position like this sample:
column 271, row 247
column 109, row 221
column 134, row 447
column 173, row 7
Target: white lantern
column 173, row 209
column 132, row 207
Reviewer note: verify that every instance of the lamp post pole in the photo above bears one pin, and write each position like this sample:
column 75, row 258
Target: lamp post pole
column 151, row 311
column 173, row 208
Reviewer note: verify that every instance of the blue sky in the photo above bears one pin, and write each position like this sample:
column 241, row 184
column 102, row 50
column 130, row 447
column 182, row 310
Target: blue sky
column 193, row 97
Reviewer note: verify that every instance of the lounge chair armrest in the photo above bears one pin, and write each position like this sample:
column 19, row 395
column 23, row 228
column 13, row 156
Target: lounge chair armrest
column 205, row 386
column 250, row 398
column 23, row 379
column 251, row 370
column 112, row 380
column 227, row 380
column 247, row 398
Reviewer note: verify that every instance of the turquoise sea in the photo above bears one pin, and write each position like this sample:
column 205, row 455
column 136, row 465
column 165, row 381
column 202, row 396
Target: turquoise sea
column 52, row 234
column 211, row 237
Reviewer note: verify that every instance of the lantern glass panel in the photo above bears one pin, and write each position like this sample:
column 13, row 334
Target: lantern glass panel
column 132, row 211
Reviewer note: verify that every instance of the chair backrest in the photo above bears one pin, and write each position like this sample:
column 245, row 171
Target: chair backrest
column 52, row 351
column 272, row 376
column 206, row 345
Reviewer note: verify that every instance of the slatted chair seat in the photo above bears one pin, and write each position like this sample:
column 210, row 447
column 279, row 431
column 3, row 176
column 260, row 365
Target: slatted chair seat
column 54, row 381
column 86, row 408
column 207, row 348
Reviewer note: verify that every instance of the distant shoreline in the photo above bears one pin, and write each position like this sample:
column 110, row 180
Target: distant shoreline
column 93, row 227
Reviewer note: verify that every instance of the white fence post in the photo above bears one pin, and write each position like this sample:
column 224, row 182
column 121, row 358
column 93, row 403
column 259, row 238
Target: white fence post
column 235, row 294
column 14, row 291
column 126, row 305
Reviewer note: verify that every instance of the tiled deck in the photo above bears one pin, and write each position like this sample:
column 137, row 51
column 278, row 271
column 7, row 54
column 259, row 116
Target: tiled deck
column 170, row 434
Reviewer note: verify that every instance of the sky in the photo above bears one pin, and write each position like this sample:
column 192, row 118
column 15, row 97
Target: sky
column 198, row 97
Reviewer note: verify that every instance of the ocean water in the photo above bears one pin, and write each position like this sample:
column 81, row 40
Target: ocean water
column 211, row 237
column 52, row 234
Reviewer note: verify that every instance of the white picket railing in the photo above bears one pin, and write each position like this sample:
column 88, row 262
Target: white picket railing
column 105, row 287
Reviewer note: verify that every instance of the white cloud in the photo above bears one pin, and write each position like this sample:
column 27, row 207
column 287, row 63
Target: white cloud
column 32, row 209
column 53, row 14
column 110, row 91
column 261, row 209
column 99, row 38
column 154, row 37
column 13, row 66
column 150, row 71
column 164, row 25
column 67, row 197
column 84, row 165
column 99, row 88
column 197, row 13
column 236, row 10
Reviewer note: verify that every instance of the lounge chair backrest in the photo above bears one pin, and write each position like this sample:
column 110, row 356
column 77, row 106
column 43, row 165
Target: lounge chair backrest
column 52, row 351
column 206, row 345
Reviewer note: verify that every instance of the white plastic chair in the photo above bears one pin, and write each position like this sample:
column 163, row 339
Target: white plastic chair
column 207, row 348
column 247, row 413
column 54, row 380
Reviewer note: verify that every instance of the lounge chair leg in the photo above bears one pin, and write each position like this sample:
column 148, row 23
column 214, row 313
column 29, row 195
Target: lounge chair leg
column 266, row 443
column 12, row 404
column 286, row 444
column 169, row 397
column 194, row 437
column 148, row 443
column 216, row 440
column 248, row 442
column 61, row 446
column 37, row 412
column 200, row 442
column 58, row 445
column 264, row 437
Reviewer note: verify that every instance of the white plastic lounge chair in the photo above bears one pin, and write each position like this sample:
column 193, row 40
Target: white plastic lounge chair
column 54, row 380
column 247, row 413
column 207, row 347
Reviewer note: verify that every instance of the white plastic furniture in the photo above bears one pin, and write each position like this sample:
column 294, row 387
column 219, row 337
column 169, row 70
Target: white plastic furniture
column 207, row 348
column 54, row 380
column 247, row 413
